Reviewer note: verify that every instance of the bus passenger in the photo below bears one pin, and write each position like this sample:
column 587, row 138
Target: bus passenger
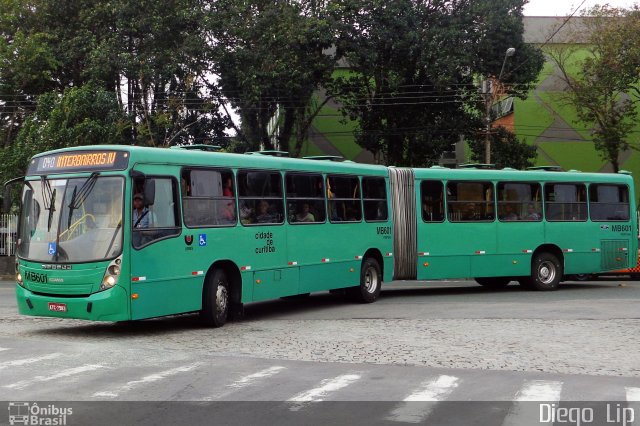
column 227, row 189
column 532, row 214
column 508, row 213
column 305, row 215
column 227, row 213
column 263, row 215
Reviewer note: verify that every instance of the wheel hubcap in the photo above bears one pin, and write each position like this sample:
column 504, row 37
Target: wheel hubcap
column 547, row 272
column 221, row 299
column 371, row 280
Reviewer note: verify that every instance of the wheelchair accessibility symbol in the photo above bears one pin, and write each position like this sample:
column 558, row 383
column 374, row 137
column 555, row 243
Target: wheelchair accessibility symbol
column 202, row 240
column 52, row 249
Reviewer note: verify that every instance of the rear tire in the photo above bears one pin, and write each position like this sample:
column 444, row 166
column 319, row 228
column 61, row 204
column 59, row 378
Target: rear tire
column 546, row 272
column 215, row 299
column 370, row 282
column 495, row 283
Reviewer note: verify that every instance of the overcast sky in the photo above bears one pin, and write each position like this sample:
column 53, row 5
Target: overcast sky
column 565, row 7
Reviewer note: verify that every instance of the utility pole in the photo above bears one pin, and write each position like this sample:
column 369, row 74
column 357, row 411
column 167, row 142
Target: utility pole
column 489, row 93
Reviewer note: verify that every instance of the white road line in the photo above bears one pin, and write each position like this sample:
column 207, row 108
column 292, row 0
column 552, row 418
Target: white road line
column 540, row 390
column 523, row 412
column 64, row 373
column 25, row 361
column 145, row 380
column 247, row 380
column 418, row 405
column 326, row 387
column 4, row 349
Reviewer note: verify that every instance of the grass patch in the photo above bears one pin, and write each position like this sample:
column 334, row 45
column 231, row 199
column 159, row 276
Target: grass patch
column 564, row 153
column 531, row 118
column 329, row 123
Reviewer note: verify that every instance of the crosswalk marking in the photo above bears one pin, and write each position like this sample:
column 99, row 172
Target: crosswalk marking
column 146, row 379
column 540, row 390
column 326, row 387
column 418, row 405
column 4, row 349
column 18, row 362
column 64, row 373
column 523, row 413
column 247, row 380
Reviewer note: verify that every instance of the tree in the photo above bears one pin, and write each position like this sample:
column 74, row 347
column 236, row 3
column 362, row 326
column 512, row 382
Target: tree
column 605, row 90
column 84, row 115
column 506, row 150
column 413, row 64
column 269, row 58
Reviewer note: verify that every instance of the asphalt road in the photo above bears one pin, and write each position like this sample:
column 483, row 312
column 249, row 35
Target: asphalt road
column 423, row 352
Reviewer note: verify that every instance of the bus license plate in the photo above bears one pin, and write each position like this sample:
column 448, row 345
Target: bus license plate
column 58, row 307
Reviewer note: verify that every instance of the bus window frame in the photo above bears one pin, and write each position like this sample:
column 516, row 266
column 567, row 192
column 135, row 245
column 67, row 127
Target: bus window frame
column 385, row 199
column 444, row 204
column 493, row 200
column 522, row 219
column 323, row 198
column 282, row 191
column 586, row 202
column 329, row 199
column 176, row 211
column 629, row 205
column 235, row 197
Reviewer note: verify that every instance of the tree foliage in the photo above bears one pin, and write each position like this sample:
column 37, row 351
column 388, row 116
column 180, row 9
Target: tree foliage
column 84, row 115
column 269, row 57
column 506, row 150
column 414, row 62
column 606, row 88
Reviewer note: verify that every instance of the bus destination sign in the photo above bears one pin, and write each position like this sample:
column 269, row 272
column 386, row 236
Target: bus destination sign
column 79, row 161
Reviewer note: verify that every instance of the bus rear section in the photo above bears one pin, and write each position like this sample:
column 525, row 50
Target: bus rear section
column 499, row 226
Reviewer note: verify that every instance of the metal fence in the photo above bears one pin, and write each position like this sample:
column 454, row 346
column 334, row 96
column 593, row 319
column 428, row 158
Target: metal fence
column 8, row 234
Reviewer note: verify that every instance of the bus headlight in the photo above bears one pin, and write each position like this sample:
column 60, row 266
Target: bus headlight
column 111, row 275
column 19, row 279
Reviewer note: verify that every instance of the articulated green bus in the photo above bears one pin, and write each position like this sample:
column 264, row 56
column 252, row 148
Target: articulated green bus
column 120, row 233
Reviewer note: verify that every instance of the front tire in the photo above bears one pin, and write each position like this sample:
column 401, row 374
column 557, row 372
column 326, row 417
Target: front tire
column 215, row 299
column 546, row 272
column 370, row 282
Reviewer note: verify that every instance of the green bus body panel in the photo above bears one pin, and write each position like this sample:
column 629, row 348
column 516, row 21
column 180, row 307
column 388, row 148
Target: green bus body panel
column 167, row 276
column 463, row 250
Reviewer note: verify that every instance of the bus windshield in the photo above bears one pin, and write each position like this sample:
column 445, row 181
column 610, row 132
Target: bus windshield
column 71, row 220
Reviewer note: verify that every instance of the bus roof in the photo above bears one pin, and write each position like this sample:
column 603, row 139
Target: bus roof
column 220, row 159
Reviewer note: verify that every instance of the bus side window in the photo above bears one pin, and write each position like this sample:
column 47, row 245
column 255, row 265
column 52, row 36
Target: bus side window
column 470, row 201
column 162, row 214
column 608, row 202
column 565, row 202
column 261, row 197
column 305, row 199
column 432, row 201
column 343, row 192
column 374, row 195
column 208, row 197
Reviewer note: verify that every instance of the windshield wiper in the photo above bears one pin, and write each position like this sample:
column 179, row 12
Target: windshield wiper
column 113, row 239
column 79, row 196
column 48, row 199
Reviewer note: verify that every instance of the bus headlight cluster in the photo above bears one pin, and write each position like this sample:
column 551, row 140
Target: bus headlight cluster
column 111, row 275
column 19, row 275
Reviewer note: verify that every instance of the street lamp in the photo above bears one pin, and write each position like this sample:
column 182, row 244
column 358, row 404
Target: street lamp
column 489, row 97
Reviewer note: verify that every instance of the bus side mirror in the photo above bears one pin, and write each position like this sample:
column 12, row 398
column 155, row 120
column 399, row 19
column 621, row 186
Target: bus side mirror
column 149, row 192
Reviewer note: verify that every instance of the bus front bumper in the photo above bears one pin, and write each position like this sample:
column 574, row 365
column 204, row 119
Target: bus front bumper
column 108, row 305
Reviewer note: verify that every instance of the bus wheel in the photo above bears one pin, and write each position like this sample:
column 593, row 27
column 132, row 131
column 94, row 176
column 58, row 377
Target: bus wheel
column 370, row 282
column 546, row 272
column 215, row 299
column 497, row 282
